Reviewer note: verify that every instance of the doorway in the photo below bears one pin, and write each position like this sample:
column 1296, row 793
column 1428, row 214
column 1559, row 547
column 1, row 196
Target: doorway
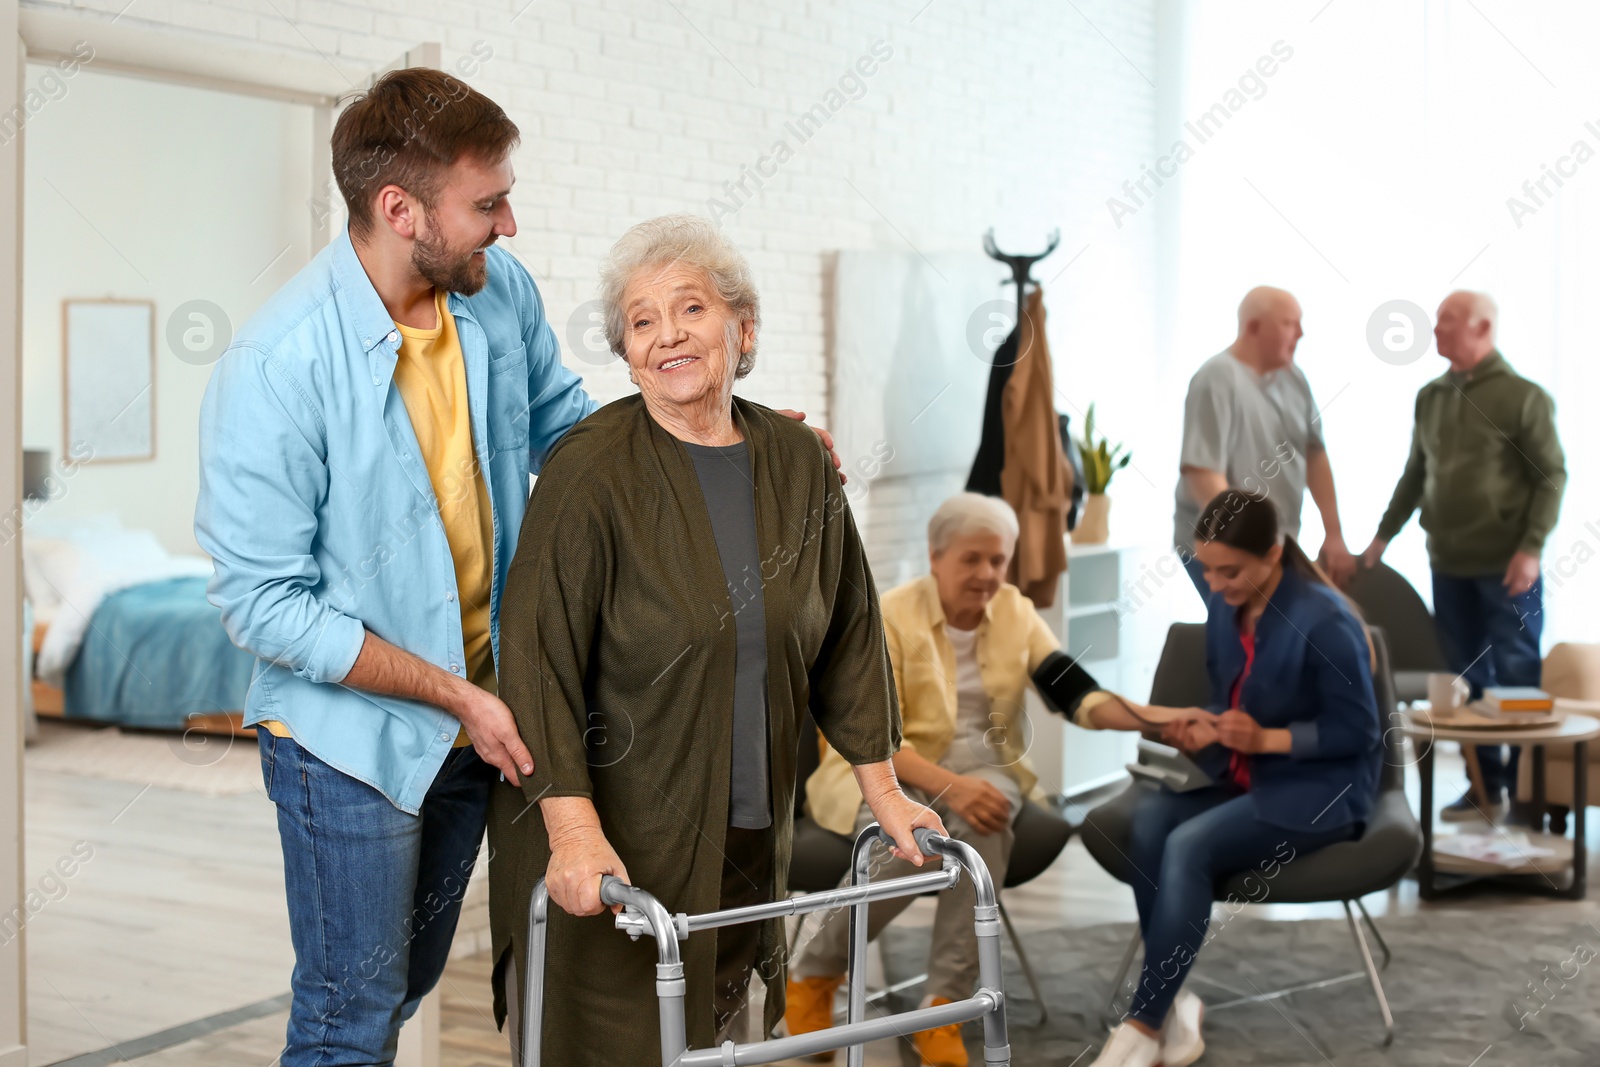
column 193, row 181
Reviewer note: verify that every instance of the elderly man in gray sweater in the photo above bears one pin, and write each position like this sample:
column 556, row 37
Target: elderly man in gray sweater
column 1249, row 422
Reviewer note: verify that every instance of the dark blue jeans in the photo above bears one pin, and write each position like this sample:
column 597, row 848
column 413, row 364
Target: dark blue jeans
column 374, row 894
column 1181, row 846
column 1490, row 638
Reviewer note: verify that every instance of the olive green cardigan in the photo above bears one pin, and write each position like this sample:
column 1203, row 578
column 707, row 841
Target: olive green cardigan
column 617, row 659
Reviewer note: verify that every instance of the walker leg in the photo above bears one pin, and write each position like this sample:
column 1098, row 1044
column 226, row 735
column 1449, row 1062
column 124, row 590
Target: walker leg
column 669, row 963
column 856, row 964
column 533, row 981
column 674, row 1030
column 1027, row 965
column 986, row 922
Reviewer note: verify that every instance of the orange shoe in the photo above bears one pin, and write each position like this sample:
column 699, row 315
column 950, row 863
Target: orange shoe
column 941, row 1046
column 809, row 1007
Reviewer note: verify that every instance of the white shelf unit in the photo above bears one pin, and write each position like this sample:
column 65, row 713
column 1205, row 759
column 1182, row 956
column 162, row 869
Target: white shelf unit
column 1115, row 628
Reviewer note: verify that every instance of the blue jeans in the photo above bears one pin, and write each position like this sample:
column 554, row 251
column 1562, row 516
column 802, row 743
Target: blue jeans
column 1490, row 638
column 374, row 894
column 1182, row 845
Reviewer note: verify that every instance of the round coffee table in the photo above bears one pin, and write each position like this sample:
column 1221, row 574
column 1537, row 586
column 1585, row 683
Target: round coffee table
column 1558, row 858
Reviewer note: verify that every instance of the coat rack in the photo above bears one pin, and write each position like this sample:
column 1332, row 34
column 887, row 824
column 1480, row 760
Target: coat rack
column 1021, row 266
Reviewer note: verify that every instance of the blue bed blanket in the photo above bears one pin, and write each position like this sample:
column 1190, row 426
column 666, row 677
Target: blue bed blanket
column 154, row 655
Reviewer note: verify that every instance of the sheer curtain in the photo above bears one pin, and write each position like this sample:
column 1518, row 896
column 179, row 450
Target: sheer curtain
column 1397, row 152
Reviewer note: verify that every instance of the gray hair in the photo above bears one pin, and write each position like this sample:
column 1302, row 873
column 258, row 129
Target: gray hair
column 694, row 242
column 970, row 513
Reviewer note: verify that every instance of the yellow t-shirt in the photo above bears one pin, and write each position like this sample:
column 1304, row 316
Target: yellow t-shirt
column 431, row 375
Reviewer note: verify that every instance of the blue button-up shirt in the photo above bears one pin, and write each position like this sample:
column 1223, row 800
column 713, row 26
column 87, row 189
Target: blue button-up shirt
column 320, row 517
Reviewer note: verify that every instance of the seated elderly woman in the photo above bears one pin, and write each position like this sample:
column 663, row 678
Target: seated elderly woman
column 688, row 581
column 964, row 645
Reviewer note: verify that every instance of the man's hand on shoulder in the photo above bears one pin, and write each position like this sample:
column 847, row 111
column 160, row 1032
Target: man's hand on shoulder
column 822, row 435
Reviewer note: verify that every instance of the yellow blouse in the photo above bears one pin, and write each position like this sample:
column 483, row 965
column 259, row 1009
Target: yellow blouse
column 1012, row 642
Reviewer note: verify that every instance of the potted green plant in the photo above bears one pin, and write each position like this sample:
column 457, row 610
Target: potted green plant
column 1101, row 460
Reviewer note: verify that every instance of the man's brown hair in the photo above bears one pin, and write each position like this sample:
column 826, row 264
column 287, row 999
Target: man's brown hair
column 407, row 130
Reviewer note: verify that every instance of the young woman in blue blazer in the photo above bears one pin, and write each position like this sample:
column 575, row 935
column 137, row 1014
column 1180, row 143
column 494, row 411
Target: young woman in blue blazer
column 1291, row 739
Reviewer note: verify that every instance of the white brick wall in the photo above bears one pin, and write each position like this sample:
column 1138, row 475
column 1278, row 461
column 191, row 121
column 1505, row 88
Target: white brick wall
column 1010, row 114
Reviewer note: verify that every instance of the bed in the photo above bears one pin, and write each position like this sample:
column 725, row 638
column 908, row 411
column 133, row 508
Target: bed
column 125, row 633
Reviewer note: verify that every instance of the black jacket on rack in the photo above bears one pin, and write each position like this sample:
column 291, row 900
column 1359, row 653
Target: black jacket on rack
column 985, row 476
column 986, row 465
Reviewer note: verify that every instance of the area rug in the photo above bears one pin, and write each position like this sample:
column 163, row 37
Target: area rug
column 212, row 765
column 1497, row 987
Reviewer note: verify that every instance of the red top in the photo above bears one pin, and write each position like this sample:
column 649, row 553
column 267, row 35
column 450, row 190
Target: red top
column 1239, row 762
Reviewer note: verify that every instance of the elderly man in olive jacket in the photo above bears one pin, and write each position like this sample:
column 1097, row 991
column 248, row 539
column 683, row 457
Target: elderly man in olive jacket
column 1488, row 471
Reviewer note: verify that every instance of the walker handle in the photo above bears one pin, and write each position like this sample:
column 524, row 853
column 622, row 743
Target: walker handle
column 609, row 884
column 923, row 835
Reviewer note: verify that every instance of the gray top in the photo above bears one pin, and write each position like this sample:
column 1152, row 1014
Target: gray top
column 1255, row 429
column 730, row 494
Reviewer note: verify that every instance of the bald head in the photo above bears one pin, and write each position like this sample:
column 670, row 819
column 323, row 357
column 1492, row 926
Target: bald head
column 1269, row 328
column 1464, row 330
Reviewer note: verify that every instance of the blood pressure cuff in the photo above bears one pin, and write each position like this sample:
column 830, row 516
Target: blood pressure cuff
column 1063, row 683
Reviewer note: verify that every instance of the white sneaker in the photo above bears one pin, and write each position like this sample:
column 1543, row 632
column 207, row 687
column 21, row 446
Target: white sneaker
column 1128, row 1047
column 1181, row 1043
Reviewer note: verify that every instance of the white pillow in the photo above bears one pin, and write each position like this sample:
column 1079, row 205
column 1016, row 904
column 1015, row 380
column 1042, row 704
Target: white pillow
column 46, row 563
column 50, row 562
column 119, row 557
column 94, row 558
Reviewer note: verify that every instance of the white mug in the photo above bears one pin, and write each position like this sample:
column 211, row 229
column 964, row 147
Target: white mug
column 1447, row 691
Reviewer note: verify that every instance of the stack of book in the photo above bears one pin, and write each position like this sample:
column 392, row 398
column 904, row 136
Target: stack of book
column 1518, row 702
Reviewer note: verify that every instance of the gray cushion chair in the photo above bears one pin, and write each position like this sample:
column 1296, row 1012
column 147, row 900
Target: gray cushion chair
column 821, row 858
column 1388, row 848
column 1389, row 602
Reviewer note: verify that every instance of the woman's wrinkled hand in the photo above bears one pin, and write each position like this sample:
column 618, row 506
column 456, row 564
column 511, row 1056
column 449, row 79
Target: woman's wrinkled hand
column 577, row 862
column 898, row 814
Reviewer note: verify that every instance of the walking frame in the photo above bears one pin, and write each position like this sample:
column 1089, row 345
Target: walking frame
column 643, row 915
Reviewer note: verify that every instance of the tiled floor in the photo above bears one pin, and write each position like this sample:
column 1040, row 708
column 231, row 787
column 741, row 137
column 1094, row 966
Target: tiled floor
column 105, row 966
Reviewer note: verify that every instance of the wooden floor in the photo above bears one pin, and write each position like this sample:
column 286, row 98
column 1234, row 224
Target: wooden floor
column 179, row 915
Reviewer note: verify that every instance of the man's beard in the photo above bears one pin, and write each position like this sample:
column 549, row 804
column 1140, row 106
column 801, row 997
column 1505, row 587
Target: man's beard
column 453, row 274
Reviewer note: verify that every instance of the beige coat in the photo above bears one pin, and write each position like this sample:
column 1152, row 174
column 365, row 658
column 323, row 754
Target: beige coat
column 1036, row 479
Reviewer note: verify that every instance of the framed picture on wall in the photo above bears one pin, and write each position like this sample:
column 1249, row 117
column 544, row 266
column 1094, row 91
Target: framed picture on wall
column 108, row 381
